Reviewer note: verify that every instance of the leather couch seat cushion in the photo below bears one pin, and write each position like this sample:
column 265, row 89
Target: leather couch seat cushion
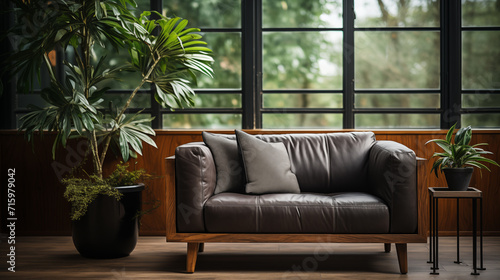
column 348, row 212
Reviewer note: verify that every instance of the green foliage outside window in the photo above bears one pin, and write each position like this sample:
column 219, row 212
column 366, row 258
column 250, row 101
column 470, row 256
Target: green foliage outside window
column 312, row 60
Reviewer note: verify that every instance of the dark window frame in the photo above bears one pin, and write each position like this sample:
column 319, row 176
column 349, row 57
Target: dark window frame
column 462, row 111
column 252, row 109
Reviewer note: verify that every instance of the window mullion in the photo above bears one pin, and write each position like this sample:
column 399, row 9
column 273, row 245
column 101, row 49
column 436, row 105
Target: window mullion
column 348, row 63
column 157, row 122
column 251, row 108
column 451, row 63
column 7, row 99
column 258, row 65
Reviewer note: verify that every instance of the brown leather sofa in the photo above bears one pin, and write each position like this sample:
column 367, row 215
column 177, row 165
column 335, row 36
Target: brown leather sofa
column 352, row 189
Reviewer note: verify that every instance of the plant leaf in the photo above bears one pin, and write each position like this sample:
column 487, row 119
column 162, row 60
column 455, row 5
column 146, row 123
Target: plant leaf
column 124, row 148
column 450, row 133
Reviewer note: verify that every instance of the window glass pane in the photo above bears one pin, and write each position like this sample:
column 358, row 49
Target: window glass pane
column 405, row 100
column 226, row 49
column 44, row 73
column 480, row 59
column 480, row 100
column 316, row 100
column 23, row 100
column 203, row 13
column 140, row 117
column 395, row 59
column 481, row 120
column 141, row 100
column 125, row 79
column 142, row 5
column 372, row 121
column 302, row 13
column 480, row 13
column 302, row 60
column 18, row 122
column 396, row 13
column 217, row 100
column 302, row 120
column 215, row 121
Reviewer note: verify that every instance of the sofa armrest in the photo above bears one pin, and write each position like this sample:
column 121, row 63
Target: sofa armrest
column 392, row 171
column 195, row 178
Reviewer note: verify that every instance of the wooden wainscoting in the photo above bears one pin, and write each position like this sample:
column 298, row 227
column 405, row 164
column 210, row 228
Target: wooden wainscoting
column 42, row 210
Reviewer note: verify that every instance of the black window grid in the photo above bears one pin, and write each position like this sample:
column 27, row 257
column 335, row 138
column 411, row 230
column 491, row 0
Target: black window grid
column 251, row 92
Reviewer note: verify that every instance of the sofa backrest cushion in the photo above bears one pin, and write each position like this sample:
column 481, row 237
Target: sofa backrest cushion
column 230, row 173
column 325, row 163
column 330, row 162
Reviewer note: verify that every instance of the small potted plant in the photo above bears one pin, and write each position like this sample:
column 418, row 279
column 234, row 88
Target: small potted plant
column 458, row 158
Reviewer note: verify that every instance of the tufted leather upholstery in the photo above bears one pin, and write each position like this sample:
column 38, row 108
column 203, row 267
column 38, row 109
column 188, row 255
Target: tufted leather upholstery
column 350, row 183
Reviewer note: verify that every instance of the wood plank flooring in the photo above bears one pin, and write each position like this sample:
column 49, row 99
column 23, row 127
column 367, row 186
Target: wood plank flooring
column 153, row 258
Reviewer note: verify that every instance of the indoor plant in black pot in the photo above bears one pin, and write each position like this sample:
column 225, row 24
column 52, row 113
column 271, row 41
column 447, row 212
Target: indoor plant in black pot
column 164, row 53
column 106, row 212
column 458, row 158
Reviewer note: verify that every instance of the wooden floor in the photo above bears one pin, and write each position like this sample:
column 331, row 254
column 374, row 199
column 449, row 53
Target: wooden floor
column 153, row 258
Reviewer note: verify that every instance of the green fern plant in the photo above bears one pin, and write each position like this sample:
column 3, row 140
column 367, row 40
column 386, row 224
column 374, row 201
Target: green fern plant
column 458, row 153
column 81, row 192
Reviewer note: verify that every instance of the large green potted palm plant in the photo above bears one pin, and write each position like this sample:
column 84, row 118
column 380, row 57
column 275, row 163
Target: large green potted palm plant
column 458, row 158
column 163, row 52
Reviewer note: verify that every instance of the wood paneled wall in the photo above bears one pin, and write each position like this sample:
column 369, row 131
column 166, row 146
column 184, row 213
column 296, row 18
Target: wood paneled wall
column 42, row 210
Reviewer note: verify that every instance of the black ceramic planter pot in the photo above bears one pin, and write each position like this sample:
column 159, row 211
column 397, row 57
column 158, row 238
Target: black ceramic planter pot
column 458, row 179
column 110, row 228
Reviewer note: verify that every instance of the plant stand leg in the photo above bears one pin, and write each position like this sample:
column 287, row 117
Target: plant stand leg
column 192, row 254
column 402, row 252
column 458, row 232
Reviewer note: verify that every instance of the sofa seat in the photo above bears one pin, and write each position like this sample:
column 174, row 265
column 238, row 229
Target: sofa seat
column 347, row 212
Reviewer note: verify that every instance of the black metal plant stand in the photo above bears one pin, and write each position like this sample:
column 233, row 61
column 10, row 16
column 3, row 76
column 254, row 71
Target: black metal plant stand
column 472, row 193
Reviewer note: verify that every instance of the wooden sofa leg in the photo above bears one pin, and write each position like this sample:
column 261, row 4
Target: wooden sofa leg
column 192, row 254
column 387, row 247
column 402, row 251
column 202, row 248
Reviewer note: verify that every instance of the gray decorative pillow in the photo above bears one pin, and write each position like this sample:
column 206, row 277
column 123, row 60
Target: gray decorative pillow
column 267, row 166
column 230, row 176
